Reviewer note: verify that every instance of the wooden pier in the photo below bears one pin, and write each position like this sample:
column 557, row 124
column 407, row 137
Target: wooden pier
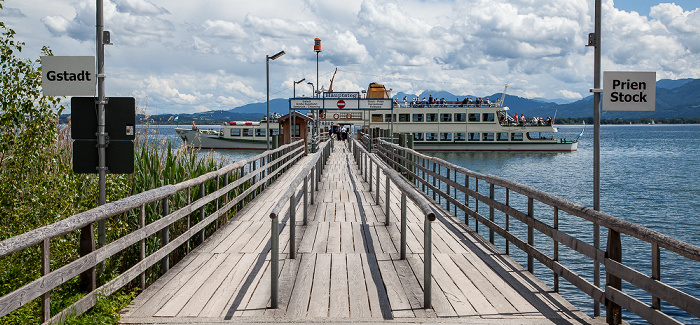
column 347, row 266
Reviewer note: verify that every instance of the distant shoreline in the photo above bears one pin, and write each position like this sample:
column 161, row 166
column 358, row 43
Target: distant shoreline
column 558, row 121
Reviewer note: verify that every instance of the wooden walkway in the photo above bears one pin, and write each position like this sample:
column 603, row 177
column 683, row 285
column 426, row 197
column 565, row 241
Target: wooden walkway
column 347, row 268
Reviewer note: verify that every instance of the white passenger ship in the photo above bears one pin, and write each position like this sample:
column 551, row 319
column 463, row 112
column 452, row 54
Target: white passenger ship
column 456, row 126
column 244, row 135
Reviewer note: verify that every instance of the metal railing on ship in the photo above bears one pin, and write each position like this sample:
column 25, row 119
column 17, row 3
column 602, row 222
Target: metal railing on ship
column 427, row 173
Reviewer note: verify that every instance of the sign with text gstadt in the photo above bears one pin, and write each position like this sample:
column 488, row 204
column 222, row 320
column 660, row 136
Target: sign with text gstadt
column 299, row 104
column 629, row 91
column 68, row 75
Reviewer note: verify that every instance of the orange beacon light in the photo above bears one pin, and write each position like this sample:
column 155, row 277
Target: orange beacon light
column 317, row 44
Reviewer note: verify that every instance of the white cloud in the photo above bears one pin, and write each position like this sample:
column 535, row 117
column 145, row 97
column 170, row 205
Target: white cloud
column 568, row 94
column 210, row 54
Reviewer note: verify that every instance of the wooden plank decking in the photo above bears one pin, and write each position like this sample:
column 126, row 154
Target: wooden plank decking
column 347, row 268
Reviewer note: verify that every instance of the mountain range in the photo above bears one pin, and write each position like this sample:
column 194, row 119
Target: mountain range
column 674, row 99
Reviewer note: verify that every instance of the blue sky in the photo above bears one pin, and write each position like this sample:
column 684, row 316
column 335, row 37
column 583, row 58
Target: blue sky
column 193, row 56
column 643, row 6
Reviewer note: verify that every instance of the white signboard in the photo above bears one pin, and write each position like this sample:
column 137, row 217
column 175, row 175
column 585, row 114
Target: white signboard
column 352, row 95
column 299, row 104
column 629, row 91
column 376, row 103
column 340, row 103
column 68, row 75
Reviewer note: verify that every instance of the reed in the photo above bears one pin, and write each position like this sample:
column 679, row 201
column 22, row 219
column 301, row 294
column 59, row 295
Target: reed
column 49, row 191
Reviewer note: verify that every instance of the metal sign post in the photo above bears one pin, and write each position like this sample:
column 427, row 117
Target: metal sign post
column 101, row 134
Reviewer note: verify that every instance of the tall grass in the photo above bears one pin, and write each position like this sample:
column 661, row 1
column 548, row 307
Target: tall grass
column 51, row 192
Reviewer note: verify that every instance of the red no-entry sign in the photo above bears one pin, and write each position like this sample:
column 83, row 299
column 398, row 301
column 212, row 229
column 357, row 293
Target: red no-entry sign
column 341, row 103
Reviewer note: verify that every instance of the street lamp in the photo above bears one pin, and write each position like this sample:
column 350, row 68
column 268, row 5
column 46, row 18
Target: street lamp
column 291, row 118
column 312, row 89
column 267, row 70
column 295, row 86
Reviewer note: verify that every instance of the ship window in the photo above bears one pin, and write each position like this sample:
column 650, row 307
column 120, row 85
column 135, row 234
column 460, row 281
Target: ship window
column 473, row 136
column 377, row 118
column 431, row 117
column 418, row 137
column 502, row 136
column 445, row 136
column 274, row 132
column 516, row 136
column 235, row 132
column 460, row 117
column 431, row 136
column 248, row 132
column 460, row 136
column 417, row 117
column 445, row 117
column 488, row 136
column 260, row 132
column 474, row 117
column 488, row 117
column 404, row 117
column 387, row 117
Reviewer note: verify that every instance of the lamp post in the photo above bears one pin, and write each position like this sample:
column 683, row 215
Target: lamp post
column 313, row 92
column 291, row 118
column 267, row 70
column 295, row 86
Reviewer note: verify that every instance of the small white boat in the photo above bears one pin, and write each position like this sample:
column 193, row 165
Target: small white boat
column 246, row 135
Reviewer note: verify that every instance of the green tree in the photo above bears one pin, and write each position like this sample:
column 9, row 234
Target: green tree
column 28, row 126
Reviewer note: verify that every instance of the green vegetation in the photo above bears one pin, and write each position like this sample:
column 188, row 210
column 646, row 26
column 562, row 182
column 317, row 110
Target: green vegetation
column 38, row 187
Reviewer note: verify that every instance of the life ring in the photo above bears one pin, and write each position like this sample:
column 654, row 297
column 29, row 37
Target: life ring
column 336, row 116
column 323, row 115
column 348, row 115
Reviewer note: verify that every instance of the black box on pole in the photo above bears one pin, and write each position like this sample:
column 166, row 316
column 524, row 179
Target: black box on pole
column 120, row 126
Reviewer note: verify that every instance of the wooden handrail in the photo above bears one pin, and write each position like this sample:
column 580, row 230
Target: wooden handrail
column 610, row 258
column 288, row 155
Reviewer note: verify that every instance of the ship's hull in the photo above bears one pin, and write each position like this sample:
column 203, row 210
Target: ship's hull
column 199, row 140
column 465, row 146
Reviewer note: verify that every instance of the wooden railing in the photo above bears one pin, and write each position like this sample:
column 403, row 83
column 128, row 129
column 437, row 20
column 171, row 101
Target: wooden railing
column 364, row 161
column 249, row 178
column 433, row 174
column 313, row 170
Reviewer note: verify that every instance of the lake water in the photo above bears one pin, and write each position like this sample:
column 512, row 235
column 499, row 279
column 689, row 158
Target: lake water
column 650, row 175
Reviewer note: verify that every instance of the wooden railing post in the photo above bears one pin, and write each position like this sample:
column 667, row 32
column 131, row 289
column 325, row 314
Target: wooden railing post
column 202, row 212
column 45, row 269
column 447, row 202
column 274, row 262
column 466, row 199
column 142, row 250
column 388, row 208
column 427, row 264
column 87, row 245
column 434, row 181
column 556, row 249
column 655, row 272
column 491, row 212
column 614, row 252
column 403, row 225
column 507, row 221
column 376, row 194
column 530, row 234
column 370, row 175
column 165, row 238
column 306, row 199
column 292, row 226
